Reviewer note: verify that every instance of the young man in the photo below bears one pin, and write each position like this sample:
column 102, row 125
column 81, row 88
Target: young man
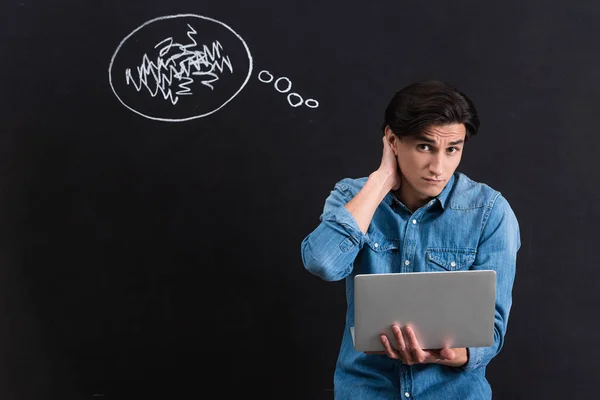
column 416, row 213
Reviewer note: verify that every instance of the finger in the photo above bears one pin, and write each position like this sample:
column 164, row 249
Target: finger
column 391, row 353
column 400, row 342
column 401, row 346
column 387, row 147
column 385, row 142
column 413, row 347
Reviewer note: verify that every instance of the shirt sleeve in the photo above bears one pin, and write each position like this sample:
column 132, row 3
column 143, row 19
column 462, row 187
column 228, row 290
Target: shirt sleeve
column 329, row 251
column 497, row 250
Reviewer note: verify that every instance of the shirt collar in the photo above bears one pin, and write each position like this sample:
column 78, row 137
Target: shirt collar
column 445, row 195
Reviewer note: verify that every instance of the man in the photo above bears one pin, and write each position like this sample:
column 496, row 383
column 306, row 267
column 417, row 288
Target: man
column 414, row 205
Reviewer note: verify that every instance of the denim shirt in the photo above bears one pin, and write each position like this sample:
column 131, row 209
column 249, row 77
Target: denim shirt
column 468, row 226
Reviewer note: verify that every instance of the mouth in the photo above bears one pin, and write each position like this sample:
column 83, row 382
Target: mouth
column 433, row 181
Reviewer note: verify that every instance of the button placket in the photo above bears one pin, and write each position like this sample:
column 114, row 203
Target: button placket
column 410, row 242
column 406, row 379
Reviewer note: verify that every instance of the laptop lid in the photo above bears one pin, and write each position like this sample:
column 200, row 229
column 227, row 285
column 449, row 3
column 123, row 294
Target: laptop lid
column 446, row 309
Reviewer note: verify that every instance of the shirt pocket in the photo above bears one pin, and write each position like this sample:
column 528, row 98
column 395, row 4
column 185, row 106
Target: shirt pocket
column 449, row 259
column 379, row 255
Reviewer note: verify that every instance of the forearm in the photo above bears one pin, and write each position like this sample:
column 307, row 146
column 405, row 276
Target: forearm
column 481, row 356
column 497, row 250
column 329, row 251
column 363, row 205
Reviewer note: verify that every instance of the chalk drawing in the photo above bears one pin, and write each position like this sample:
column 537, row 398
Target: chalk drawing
column 267, row 80
column 311, row 103
column 186, row 66
column 291, row 96
column 294, row 99
column 197, row 66
column 289, row 85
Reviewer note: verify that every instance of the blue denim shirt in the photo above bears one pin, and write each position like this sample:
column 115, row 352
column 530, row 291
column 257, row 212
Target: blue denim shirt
column 468, row 226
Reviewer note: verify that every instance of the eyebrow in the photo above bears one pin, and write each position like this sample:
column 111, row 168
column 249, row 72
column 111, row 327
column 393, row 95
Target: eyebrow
column 423, row 138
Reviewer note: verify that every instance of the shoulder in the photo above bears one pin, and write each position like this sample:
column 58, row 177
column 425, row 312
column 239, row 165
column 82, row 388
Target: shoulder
column 468, row 194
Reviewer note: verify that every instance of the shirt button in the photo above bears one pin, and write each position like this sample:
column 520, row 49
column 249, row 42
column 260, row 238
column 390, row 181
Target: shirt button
column 406, row 262
column 376, row 245
column 414, row 221
column 453, row 264
column 407, row 394
column 431, row 202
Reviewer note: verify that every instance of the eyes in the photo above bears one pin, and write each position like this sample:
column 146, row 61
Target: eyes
column 427, row 147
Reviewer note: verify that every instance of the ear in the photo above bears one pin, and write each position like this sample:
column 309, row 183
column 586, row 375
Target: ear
column 391, row 138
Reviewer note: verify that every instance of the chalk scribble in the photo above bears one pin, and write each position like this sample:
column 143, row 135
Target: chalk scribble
column 179, row 65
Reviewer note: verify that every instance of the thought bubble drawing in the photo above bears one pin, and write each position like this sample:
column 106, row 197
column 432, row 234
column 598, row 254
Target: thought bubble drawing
column 284, row 85
column 179, row 67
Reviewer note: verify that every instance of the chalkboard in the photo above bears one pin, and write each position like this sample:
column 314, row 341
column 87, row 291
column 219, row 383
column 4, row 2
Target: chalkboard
column 162, row 161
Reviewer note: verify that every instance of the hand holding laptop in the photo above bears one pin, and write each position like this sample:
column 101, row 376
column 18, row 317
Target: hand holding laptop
column 408, row 350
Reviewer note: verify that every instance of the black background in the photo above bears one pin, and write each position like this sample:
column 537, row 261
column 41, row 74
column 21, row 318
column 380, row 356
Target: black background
column 142, row 258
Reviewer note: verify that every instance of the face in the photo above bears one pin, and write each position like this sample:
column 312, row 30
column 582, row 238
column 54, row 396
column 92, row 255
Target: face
column 427, row 161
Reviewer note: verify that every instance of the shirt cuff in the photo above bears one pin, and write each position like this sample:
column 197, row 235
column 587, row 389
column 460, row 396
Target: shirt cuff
column 474, row 356
column 344, row 218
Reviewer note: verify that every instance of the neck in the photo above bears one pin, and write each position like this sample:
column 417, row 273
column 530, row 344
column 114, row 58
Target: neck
column 410, row 199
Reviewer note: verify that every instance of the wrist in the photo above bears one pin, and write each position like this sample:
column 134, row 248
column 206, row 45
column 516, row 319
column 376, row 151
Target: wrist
column 460, row 359
column 384, row 179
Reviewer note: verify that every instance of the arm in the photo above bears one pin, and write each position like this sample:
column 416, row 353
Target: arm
column 497, row 250
column 329, row 251
column 363, row 205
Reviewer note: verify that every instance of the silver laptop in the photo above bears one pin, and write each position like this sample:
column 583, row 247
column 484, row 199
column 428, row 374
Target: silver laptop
column 446, row 309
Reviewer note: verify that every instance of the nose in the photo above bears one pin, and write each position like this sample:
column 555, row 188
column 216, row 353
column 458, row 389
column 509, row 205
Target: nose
column 436, row 165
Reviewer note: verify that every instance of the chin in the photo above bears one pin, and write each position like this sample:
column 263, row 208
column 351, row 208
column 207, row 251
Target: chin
column 431, row 192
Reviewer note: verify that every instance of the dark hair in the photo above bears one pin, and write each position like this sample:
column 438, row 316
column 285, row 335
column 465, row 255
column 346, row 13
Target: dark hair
column 420, row 105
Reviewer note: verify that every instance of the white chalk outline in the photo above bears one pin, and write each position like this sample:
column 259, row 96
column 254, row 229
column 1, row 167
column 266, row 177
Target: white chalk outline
column 314, row 103
column 265, row 71
column 250, row 65
column 312, row 100
column 276, row 84
column 290, row 100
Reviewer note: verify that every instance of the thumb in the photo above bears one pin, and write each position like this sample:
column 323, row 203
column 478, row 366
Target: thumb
column 386, row 145
column 447, row 354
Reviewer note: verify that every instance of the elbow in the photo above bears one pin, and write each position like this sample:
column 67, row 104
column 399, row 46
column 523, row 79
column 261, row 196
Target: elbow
column 499, row 332
column 323, row 271
column 498, row 340
column 323, row 265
